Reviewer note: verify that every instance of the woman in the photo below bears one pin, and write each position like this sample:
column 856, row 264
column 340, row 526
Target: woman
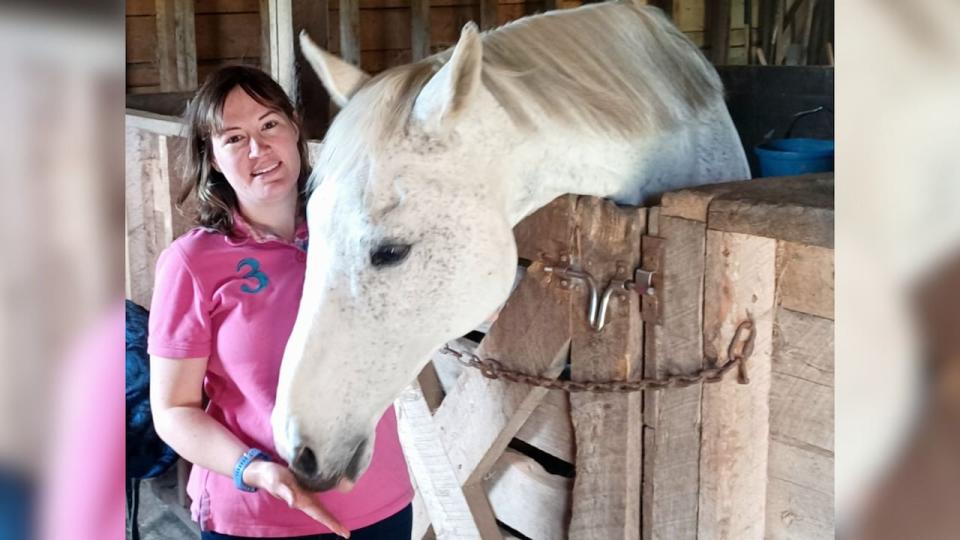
column 224, row 303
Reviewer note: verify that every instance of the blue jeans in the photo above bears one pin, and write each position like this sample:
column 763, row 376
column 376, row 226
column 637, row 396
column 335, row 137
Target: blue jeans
column 397, row 526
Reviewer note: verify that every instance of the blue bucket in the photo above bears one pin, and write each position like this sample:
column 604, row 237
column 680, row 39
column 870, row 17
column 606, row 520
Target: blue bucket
column 790, row 157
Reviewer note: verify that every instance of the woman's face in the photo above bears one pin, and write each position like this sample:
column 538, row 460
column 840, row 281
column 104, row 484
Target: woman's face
column 257, row 151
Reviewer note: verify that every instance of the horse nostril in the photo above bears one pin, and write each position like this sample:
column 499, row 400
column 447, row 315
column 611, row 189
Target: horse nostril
column 305, row 461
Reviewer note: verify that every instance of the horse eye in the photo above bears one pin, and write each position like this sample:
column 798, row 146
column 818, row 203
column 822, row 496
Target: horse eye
column 389, row 255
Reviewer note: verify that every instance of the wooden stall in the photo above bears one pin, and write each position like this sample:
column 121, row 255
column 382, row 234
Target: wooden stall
column 494, row 458
column 172, row 45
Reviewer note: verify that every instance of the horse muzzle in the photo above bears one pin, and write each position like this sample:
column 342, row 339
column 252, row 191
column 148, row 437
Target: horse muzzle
column 335, row 469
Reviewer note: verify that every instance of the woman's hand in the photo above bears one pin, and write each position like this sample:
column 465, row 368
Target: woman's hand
column 279, row 482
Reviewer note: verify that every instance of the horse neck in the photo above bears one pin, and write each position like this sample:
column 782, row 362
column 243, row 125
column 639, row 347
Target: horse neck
column 551, row 163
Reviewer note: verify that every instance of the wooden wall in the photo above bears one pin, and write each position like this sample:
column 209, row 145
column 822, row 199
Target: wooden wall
column 228, row 31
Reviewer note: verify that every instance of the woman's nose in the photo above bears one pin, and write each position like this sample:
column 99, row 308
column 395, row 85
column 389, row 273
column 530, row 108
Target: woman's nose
column 257, row 146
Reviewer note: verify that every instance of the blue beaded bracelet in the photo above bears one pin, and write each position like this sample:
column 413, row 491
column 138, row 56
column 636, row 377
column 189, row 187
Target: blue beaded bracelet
column 242, row 463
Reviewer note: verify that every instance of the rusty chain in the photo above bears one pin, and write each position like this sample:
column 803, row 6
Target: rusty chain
column 739, row 350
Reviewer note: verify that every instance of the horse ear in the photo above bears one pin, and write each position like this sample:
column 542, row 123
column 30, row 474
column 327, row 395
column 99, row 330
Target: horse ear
column 449, row 91
column 340, row 78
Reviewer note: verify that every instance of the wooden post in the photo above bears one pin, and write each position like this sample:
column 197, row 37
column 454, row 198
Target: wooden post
column 608, row 427
column 350, row 31
column 718, row 30
column 488, row 13
column 286, row 19
column 435, row 477
column 672, row 418
column 419, row 29
column 740, row 283
column 176, row 45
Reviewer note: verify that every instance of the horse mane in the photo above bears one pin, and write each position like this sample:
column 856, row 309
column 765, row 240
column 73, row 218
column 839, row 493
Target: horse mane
column 614, row 67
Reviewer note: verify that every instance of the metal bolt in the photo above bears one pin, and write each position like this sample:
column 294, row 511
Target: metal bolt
column 548, row 280
column 564, row 258
column 564, row 283
column 622, row 297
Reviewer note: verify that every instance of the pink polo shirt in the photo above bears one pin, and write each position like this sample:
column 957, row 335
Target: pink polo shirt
column 234, row 299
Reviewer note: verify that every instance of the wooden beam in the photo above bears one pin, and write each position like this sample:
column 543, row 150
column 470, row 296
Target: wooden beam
column 350, row 31
column 488, row 13
column 267, row 45
column 672, row 418
column 549, row 428
column 608, row 427
column 545, row 497
column 419, row 29
column 436, row 479
column 800, row 486
column 805, row 278
column 768, row 13
column 740, row 284
column 287, row 18
column 718, row 28
column 176, row 45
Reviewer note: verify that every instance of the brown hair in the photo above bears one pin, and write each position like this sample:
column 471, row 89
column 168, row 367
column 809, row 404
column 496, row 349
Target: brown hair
column 216, row 200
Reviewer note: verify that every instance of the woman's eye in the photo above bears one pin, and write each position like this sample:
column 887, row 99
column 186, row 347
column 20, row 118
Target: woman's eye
column 271, row 124
column 234, row 139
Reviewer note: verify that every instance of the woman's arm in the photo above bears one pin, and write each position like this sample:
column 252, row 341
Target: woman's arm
column 176, row 391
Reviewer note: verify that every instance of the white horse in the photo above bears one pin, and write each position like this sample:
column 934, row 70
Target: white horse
column 427, row 168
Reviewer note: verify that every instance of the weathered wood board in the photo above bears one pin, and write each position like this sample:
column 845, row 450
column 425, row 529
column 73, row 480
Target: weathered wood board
column 672, row 419
column 608, row 427
column 740, row 282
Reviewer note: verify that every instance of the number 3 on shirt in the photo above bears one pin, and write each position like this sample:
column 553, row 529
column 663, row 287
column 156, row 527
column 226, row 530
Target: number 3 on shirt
column 254, row 273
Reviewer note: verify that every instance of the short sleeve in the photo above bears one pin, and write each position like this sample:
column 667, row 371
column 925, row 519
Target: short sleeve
column 179, row 315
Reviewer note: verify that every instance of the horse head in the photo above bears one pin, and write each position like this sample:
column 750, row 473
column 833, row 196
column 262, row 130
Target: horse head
column 410, row 246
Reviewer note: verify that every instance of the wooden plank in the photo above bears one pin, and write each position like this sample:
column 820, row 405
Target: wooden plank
column 796, row 208
column 227, row 6
column 545, row 497
column 434, row 474
column 806, row 278
column 549, row 427
column 420, row 528
column 672, row 436
column 141, row 245
column 803, row 347
column 419, row 29
column 266, row 35
column 801, row 393
column 795, row 221
column 689, row 16
column 154, row 123
column 143, row 75
column 801, row 411
column 176, row 45
column 141, row 39
column 140, row 7
column 800, row 493
column 737, row 36
column 548, row 233
column 718, row 30
column 739, row 285
column 608, row 427
column 488, row 13
column 350, row 31
column 228, row 35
